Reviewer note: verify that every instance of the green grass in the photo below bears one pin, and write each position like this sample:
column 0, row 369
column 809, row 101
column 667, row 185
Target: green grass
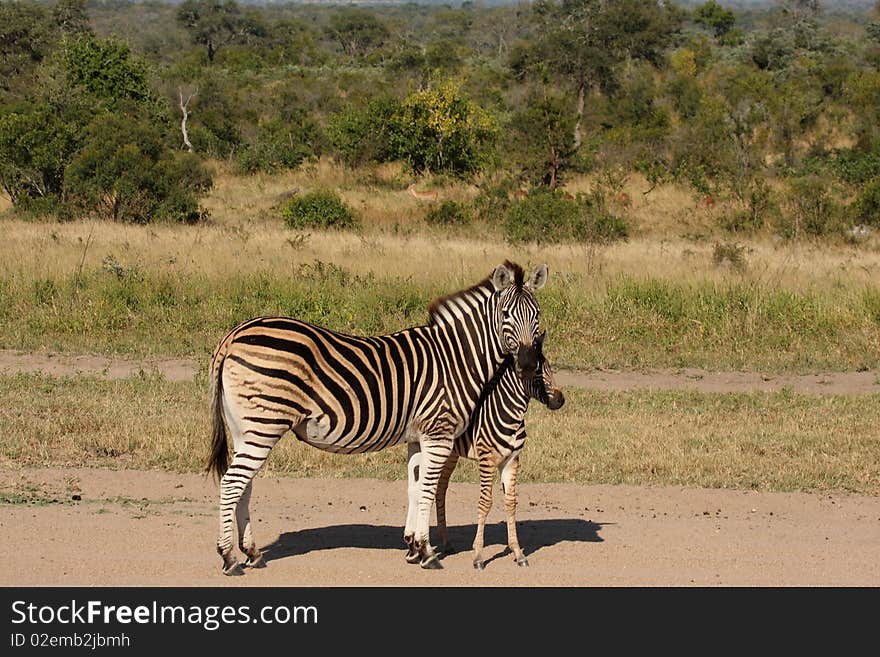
column 766, row 441
column 624, row 321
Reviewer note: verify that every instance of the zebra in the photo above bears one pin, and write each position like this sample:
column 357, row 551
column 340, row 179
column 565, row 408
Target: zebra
column 495, row 438
column 350, row 394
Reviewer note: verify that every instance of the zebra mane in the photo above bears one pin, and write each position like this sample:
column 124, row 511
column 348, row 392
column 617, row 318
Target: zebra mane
column 485, row 284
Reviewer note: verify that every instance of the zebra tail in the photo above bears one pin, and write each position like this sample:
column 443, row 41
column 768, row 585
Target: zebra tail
column 219, row 459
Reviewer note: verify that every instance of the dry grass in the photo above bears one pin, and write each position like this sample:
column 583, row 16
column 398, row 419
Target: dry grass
column 774, row 442
column 657, row 300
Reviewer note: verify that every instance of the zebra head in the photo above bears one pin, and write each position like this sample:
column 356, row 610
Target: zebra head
column 541, row 385
column 517, row 314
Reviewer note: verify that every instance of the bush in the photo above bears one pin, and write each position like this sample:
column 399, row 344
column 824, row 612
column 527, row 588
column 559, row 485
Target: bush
column 547, row 216
column 280, row 145
column 362, row 135
column 438, row 129
column 813, row 209
column 319, row 209
column 866, row 208
column 125, row 172
column 448, row 213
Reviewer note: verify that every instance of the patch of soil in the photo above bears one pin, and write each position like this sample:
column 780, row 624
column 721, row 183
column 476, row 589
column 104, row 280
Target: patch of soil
column 134, row 528
column 183, row 369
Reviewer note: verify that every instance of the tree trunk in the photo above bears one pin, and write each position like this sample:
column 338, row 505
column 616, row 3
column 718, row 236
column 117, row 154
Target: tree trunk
column 580, row 114
column 183, row 109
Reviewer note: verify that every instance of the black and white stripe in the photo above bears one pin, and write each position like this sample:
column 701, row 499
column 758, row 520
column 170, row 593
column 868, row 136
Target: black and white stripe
column 351, row 394
column 494, row 438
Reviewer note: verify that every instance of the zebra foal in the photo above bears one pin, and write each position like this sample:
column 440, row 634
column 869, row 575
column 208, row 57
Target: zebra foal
column 350, row 394
column 495, row 438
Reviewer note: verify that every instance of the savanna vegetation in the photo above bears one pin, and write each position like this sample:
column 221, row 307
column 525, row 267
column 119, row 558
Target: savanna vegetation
column 702, row 177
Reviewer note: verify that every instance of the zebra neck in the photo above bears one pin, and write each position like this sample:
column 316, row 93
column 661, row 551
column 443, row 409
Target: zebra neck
column 464, row 332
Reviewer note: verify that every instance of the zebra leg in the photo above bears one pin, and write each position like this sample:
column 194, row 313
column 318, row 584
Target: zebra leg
column 246, row 542
column 413, row 466
column 487, row 477
column 434, row 456
column 442, row 485
column 508, row 486
column 250, row 451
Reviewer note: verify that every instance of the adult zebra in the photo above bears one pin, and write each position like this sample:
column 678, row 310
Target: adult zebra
column 350, row 394
column 495, row 438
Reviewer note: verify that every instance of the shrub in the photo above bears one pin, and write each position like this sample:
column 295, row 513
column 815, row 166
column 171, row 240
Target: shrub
column 727, row 254
column 319, row 209
column 361, row 135
column 438, row 129
column 448, row 213
column 867, row 204
column 279, row 145
column 34, row 149
column 124, row 172
column 547, row 216
column 813, row 209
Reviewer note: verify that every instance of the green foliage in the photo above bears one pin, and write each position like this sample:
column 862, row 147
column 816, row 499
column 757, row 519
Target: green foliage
column 715, row 17
column 319, row 209
column 363, row 134
column 867, row 204
column 216, row 23
column 34, row 150
column 541, row 137
column 448, row 213
column 106, row 69
column 357, row 31
column 546, row 217
column 71, row 17
column 280, row 145
column 813, row 209
column 125, row 172
column 438, row 129
column 26, row 38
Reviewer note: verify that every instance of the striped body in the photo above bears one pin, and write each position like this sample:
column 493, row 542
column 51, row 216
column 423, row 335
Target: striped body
column 495, row 438
column 351, row 394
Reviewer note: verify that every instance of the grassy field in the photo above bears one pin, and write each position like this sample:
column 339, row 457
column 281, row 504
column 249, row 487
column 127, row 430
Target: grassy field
column 764, row 441
column 660, row 299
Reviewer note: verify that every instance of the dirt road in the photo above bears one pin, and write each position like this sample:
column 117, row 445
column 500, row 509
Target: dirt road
column 132, row 528
column 183, row 369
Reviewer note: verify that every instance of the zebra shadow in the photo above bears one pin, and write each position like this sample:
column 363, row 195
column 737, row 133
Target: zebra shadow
column 533, row 535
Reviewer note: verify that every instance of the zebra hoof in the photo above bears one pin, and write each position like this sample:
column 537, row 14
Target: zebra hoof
column 234, row 570
column 522, row 563
column 259, row 562
column 478, row 565
column 432, row 563
column 412, row 556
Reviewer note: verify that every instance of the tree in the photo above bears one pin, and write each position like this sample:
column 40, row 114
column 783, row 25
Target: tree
column 438, row 129
column 26, row 37
column 124, row 172
column 35, row 147
column 583, row 40
column 105, row 69
column 71, row 17
column 213, row 24
column 715, row 17
column 542, row 138
column 357, row 31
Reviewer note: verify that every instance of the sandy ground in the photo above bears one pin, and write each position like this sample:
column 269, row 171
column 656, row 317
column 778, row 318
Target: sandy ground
column 182, row 369
column 133, row 528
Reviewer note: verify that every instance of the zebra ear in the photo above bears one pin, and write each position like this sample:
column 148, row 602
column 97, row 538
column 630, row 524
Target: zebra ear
column 538, row 278
column 502, row 277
